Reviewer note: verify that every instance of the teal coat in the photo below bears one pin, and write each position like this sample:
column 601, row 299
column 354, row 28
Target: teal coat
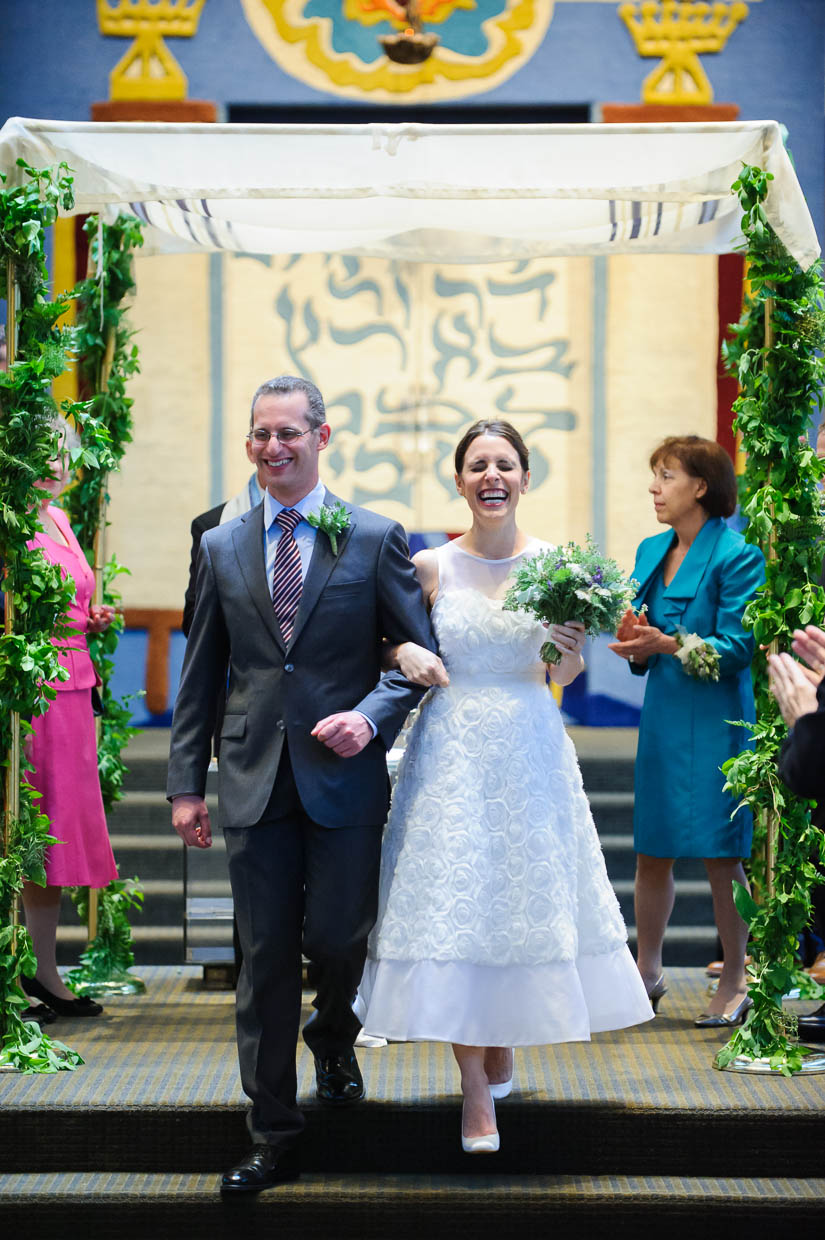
column 684, row 733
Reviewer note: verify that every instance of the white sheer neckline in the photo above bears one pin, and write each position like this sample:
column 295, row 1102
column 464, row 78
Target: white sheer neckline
column 486, row 559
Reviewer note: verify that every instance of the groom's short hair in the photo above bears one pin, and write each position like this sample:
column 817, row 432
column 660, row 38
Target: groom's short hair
column 284, row 385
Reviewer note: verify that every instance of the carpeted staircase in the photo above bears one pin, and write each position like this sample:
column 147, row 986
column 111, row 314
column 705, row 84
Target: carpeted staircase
column 634, row 1133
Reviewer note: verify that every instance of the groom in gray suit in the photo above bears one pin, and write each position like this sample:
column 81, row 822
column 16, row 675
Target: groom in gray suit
column 302, row 777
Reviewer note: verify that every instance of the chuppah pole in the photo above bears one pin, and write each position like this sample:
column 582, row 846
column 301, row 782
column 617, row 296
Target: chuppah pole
column 99, row 561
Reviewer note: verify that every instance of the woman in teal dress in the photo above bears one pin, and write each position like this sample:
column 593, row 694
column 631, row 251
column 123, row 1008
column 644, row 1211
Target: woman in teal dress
column 695, row 581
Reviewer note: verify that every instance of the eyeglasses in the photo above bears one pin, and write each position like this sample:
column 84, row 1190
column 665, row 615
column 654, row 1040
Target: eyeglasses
column 289, row 435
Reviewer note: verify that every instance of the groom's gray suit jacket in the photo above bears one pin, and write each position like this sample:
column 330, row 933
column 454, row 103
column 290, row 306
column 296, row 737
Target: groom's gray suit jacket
column 332, row 663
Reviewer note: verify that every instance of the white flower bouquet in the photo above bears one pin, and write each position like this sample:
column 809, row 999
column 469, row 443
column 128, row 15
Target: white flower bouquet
column 571, row 583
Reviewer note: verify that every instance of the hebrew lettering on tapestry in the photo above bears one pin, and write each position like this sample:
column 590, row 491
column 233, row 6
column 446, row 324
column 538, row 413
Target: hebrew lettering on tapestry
column 407, row 357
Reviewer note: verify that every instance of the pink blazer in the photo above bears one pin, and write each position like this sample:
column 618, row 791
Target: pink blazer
column 73, row 653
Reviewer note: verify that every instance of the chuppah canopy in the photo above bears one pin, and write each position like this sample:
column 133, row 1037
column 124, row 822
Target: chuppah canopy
column 434, row 193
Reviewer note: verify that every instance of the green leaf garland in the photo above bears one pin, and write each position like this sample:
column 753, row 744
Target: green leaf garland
column 28, row 658
column 780, row 385
column 108, row 359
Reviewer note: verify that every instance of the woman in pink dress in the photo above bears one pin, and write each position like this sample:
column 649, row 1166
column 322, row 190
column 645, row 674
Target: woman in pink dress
column 63, row 754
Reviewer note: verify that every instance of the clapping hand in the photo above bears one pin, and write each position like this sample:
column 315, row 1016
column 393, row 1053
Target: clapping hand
column 809, row 644
column 793, row 685
column 638, row 639
column 627, row 625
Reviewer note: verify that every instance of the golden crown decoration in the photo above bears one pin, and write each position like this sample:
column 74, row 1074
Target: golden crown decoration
column 680, row 31
column 148, row 70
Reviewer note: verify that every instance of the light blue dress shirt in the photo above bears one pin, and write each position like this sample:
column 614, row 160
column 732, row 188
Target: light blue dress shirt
column 305, row 533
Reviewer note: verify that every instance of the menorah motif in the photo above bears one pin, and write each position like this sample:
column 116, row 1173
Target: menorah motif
column 680, row 31
column 148, row 70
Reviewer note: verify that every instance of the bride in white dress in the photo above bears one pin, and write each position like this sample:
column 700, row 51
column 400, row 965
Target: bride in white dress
column 497, row 925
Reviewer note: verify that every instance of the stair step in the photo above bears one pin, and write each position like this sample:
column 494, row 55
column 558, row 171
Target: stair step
column 358, row 1207
column 145, row 845
column 607, row 774
column 147, row 812
column 164, row 899
column 150, row 844
column 163, row 944
column 538, row 1137
column 635, row 1130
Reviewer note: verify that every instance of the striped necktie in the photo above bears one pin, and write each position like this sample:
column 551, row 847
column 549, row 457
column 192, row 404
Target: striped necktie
column 287, row 581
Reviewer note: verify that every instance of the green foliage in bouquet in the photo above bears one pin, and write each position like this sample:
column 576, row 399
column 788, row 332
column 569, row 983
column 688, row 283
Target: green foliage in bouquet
column 780, row 383
column 571, row 583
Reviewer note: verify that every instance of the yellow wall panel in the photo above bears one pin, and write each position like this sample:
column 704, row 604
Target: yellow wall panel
column 164, row 481
column 660, row 378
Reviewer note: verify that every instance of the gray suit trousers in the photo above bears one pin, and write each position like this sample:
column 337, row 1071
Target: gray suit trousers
column 298, row 887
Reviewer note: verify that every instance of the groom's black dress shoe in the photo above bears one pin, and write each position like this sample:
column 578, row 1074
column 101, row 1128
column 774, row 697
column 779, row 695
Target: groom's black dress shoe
column 262, row 1167
column 338, row 1079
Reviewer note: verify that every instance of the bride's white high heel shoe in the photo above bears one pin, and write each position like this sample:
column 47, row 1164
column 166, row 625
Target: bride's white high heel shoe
column 503, row 1089
column 487, row 1144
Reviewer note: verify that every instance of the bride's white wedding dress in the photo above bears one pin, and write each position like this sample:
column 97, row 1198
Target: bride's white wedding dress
column 497, row 924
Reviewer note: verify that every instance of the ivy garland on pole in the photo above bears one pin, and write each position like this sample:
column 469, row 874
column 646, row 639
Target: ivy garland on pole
column 774, row 355
column 36, row 596
column 108, row 358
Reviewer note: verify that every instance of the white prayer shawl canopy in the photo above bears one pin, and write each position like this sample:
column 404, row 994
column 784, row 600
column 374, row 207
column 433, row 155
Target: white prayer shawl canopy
column 423, row 193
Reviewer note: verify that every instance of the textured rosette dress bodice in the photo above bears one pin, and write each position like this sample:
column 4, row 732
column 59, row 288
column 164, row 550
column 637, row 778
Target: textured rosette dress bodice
column 497, row 924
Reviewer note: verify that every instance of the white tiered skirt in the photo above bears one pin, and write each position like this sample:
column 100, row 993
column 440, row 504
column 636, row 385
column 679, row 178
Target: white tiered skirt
column 515, row 1005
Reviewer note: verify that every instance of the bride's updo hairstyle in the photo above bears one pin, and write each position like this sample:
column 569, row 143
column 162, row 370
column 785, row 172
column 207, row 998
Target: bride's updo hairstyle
column 703, row 458
column 487, row 426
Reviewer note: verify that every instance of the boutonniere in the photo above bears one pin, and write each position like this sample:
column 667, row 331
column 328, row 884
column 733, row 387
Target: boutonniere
column 333, row 520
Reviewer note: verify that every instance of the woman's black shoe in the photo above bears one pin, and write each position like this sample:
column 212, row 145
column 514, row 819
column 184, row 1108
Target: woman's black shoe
column 63, row 1007
column 40, row 1014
